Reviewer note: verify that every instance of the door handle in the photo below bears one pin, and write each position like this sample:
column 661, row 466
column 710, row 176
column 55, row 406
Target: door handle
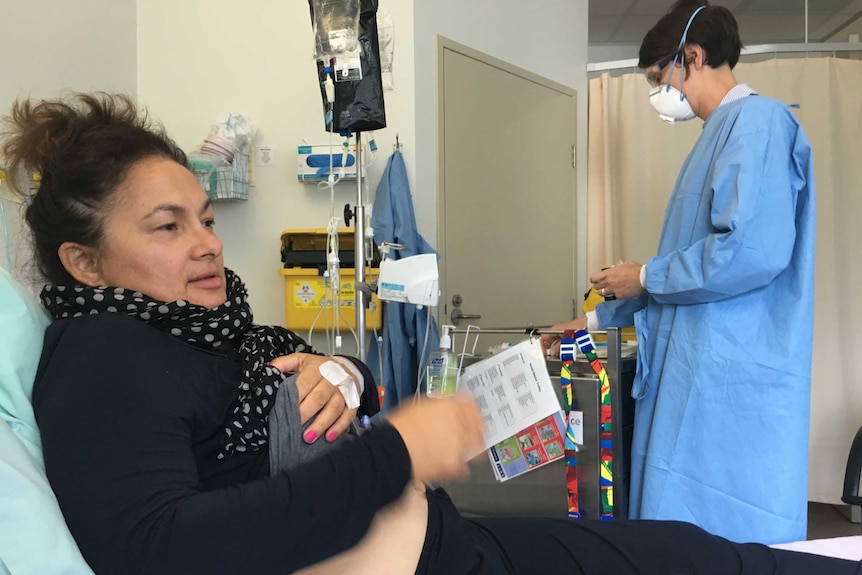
column 457, row 315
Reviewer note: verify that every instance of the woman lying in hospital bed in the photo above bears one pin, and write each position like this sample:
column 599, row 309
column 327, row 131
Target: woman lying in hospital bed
column 174, row 447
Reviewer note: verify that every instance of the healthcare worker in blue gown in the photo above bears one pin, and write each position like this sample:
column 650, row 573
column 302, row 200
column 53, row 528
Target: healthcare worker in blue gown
column 724, row 312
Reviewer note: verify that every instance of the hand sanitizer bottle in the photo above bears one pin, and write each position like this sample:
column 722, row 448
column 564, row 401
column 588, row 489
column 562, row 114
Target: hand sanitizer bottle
column 442, row 368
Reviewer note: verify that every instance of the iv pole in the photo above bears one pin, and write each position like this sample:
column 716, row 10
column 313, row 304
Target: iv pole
column 359, row 255
column 361, row 297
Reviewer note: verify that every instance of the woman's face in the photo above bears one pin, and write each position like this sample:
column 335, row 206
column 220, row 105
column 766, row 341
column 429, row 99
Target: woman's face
column 159, row 237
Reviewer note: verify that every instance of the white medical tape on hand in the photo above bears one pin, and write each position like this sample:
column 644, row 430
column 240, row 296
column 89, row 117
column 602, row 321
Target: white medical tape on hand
column 349, row 366
column 337, row 376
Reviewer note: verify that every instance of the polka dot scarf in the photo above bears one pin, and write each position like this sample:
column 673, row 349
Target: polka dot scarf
column 246, row 425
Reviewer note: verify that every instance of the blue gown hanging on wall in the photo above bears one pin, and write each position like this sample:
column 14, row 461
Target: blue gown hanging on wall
column 404, row 326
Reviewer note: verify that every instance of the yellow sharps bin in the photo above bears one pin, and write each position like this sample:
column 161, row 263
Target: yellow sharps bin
column 306, row 290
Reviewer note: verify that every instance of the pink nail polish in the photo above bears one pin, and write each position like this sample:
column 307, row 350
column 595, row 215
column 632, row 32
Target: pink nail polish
column 331, row 437
column 310, row 435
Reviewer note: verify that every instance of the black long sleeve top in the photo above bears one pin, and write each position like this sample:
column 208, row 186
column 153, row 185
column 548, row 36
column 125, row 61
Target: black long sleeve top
column 131, row 421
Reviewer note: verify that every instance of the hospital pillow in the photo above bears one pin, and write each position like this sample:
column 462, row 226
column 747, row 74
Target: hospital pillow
column 33, row 534
column 24, row 322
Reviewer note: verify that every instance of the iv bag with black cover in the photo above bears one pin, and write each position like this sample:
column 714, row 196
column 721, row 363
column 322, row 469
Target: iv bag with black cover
column 356, row 72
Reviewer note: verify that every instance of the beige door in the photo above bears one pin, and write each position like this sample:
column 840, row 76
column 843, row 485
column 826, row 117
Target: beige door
column 506, row 194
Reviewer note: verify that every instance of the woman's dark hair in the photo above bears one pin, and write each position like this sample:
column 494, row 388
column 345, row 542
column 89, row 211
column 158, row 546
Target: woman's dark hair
column 81, row 149
column 714, row 29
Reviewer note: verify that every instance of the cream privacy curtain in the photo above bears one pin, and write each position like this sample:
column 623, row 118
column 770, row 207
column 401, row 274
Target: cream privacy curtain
column 634, row 159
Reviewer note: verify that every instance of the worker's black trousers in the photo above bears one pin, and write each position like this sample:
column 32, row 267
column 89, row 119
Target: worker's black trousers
column 543, row 546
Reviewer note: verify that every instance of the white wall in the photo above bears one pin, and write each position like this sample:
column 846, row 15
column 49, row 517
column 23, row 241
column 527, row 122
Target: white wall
column 191, row 61
column 199, row 59
column 47, row 47
column 547, row 38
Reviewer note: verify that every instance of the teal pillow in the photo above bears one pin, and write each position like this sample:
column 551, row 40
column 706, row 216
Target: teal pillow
column 24, row 322
column 33, row 534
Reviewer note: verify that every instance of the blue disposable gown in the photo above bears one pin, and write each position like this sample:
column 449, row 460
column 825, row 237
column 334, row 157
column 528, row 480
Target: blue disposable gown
column 404, row 326
column 724, row 334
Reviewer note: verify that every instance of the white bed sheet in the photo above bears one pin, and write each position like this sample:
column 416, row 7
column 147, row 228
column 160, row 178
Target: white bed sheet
column 841, row 547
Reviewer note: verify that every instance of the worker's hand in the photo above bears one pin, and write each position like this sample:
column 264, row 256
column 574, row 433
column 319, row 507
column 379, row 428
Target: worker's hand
column 551, row 341
column 441, row 435
column 622, row 281
column 318, row 398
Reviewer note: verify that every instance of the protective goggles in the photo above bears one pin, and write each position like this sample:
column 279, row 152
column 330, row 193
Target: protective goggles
column 653, row 73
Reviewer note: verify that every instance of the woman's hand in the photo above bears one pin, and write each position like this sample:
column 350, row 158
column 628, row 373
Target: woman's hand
column 441, row 435
column 551, row 341
column 318, row 398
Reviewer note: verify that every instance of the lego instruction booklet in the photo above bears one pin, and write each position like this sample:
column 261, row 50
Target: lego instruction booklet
column 521, row 408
